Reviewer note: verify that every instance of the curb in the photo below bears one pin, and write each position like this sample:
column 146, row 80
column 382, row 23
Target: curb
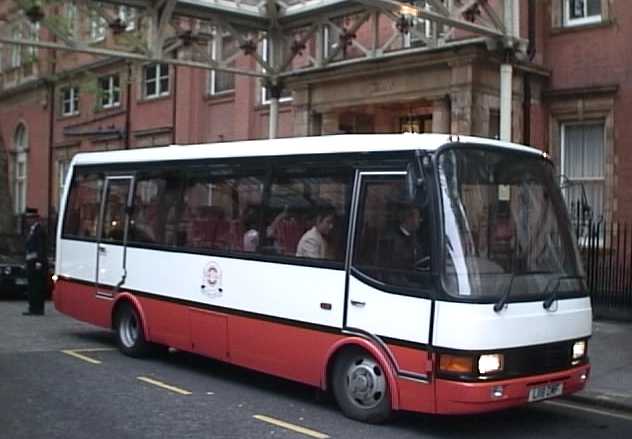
column 603, row 400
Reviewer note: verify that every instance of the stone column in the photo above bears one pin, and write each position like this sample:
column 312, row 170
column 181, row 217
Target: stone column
column 330, row 124
column 441, row 115
column 461, row 98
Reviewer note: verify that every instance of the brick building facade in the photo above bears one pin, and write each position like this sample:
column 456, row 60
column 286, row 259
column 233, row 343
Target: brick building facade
column 570, row 97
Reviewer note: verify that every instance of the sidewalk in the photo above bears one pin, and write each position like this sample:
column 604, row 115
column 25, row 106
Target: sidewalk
column 610, row 352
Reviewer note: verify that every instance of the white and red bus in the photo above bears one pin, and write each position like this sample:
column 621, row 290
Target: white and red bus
column 402, row 272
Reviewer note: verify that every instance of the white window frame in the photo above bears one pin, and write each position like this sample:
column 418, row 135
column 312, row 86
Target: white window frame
column 216, row 45
column 586, row 19
column 564, row 172
column 21, row 168
column 111, row 92
column 157, row 79
column 264, row 56
column 70, row 96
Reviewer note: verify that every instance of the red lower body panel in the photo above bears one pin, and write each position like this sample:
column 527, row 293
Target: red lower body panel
column 298, row 353
column 462, row 398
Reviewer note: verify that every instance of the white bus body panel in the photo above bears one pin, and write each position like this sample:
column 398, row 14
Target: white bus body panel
column 78, row 261
column 388, row 315
column 279, row 290
column 110, row 263
column 470, row 326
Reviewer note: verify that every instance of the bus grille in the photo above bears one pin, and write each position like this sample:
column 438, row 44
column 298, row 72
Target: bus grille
column 541, row 359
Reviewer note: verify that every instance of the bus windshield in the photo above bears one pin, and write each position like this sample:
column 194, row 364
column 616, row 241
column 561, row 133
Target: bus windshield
column 507, row 236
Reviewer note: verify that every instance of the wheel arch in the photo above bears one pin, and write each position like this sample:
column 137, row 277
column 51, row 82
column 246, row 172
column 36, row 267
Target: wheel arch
column 356, row 342
column 128, row 299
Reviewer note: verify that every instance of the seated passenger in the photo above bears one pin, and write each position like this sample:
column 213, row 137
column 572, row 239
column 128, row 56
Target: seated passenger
column 313, row 244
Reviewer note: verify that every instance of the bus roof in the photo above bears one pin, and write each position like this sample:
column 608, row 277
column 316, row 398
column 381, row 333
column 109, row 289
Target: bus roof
column 342, row 143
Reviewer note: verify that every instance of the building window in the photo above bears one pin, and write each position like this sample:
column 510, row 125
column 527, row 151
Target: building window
column 20, row 174
column 98, row 24
column 71, row 18
column 109, row 91
column 69, row 101
column 16, row 50
column 221, row 49
column 62, row 170
column 156, row 80
column 127, row 15
column 583, row 165
column 578, row 12
column 415, row 124
column 265, row 92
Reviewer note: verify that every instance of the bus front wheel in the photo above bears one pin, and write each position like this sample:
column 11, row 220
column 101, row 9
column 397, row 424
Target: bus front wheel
column 360, row 387
column 130, row 335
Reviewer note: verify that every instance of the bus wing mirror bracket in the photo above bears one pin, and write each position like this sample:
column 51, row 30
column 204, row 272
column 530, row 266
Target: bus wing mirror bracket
column 414, row 175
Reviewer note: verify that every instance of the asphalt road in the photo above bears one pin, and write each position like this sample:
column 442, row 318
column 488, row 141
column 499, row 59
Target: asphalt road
column 63, row 379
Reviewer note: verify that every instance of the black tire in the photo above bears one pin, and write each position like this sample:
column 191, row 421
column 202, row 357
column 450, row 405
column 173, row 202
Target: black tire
column 130, row 334
column 360, row 387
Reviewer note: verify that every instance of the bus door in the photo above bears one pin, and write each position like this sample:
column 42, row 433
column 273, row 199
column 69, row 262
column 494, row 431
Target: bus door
column 112, row 239
column 388, row 293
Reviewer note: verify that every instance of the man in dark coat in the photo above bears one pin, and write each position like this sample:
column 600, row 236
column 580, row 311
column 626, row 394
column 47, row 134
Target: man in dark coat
column 36, row 263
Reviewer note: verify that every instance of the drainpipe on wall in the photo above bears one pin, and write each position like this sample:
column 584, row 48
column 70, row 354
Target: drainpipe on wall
column 174, row 104
column 526, row 106
column 51, row 141
column 128, row 108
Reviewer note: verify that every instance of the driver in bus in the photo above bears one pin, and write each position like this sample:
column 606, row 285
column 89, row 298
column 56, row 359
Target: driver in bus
column 313, row 243
column 403, row 249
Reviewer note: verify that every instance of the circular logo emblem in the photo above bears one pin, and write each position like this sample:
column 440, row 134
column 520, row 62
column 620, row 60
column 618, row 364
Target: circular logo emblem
column 212, row 280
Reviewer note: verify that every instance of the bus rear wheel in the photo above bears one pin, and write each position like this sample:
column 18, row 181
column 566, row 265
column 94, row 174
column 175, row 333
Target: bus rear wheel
column 130, row 335
column 360, row 387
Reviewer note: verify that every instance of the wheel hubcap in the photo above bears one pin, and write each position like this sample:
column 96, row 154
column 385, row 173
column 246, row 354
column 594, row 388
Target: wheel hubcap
column 128, row 330
column 366, row 384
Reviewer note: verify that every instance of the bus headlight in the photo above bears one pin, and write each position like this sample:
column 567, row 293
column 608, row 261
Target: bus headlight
column 579, row 349
column 490, row 363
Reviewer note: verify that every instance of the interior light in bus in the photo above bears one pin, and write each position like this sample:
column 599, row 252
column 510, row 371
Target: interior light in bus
column 455, row 363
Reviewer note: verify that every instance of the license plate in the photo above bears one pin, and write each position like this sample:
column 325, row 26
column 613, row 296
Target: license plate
column 545, row 392
column 20, row 281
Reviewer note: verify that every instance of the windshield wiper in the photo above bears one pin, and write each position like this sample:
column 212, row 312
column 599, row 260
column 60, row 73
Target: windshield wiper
column 503, row 300
column 550, row 298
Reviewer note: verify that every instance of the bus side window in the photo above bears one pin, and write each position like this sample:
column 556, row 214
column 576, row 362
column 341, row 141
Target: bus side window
column 221, row 212
column 307, row 213
column 392, row 240
column 83, row 204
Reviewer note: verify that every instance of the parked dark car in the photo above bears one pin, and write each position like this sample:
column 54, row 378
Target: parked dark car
column 13, row 281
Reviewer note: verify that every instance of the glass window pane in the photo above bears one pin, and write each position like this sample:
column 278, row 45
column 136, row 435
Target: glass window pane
column 306, row 215
column 114, row 216
column 164, row 85
column 392, row 240
column 223, row 213
column 83, row 204
column 594, row 7
column 576, row 8
column 150, row 88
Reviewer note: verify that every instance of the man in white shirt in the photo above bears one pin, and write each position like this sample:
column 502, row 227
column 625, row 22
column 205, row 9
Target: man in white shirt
column 313, row 244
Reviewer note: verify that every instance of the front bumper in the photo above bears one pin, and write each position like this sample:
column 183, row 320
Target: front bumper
column 455, row 397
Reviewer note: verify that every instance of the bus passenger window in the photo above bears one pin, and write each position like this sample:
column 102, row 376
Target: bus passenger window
column 392, row 241
column 221, row 213
column 82, row 206
column 306, row 214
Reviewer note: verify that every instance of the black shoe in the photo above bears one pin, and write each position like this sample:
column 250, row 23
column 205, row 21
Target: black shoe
column 27, row 313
